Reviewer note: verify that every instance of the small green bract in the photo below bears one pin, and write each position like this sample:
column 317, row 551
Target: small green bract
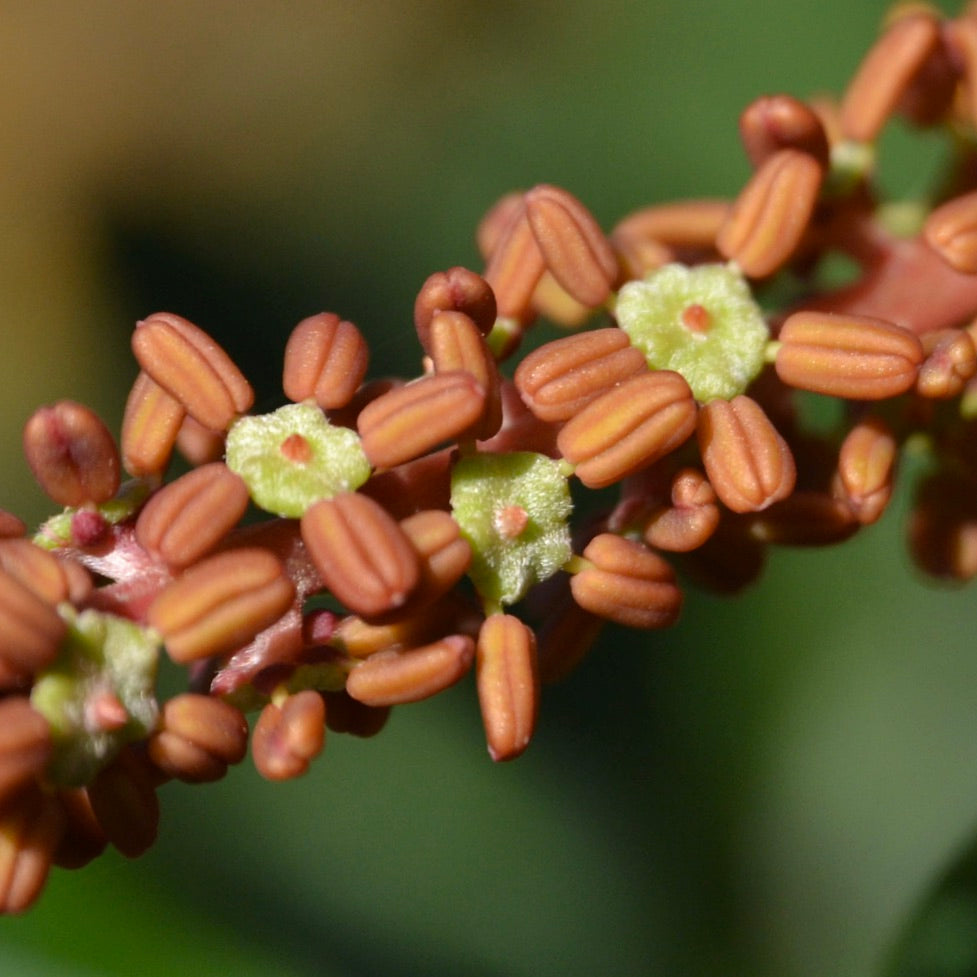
column 101, row 654
column 513, row 510
column 325, row 459
column 701, row 322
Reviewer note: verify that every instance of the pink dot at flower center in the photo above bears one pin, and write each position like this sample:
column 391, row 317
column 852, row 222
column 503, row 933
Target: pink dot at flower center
column 696, row 318
column 511, row 521
column 296, row 449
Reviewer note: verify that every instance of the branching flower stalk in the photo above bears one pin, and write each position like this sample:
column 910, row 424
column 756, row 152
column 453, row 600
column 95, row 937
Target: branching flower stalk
column 369, row 543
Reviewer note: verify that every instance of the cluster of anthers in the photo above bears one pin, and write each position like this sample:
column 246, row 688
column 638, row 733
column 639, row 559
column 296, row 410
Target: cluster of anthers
column 369, row 543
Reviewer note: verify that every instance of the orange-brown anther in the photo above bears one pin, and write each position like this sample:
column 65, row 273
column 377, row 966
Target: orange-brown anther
column 444, row 553
column 961, row 39
column 51, row 578
column 25, row 745
column 410, row 421
column 326, row 359
column 345, row 715
column 30, row 628
column 631, row 426
column 886, row 73
column 749, row 464
column 772, row 212
column 72, row 454
column 198, row 737
column 495, row 222
column 866, row 468
column 124, row 801
column 83, row 839
column 775, row 122
column 951, row 231
column 393, row 677
column 289, row 736
column 192, row 368
column 515, row 265
column 30, row 829
column 943, row 527
column 855, row 357
column 150, row 427
column 186, row 519
column 455, row 343
column 508, row 684
column 11, row 526
column 691, row 518
column 454, row 290
column 951, row 362
column 627, row 583
column 198, row 444
column 363, row 556
column 221, row 603
column 806, row 518
column 575, row 249
column 565, row 638
column 560, row 378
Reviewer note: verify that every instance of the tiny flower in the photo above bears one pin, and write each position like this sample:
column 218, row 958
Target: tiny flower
column 294, row 457
column 701, row 322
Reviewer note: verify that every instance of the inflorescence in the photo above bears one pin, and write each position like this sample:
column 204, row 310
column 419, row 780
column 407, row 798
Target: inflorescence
column 371, row 542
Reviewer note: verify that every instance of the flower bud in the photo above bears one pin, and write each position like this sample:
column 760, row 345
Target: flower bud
column 72, row 454
column 393, row 677
column 748, row 463
column 364, row 557
column 326, row 360
column 631, row 426
column 627, row 583
column 866, row 469
column 855, row 357
column 150, row 427
column 775, row 122
column 289, row 736
column 454, row 290
column 221, row 603
column 187, row 518
column 557, row 380
column 192, row 368
column 508, row 684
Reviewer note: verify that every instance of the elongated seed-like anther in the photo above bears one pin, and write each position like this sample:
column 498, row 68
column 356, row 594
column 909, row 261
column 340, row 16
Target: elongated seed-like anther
column 289, row 736
column 806, row 518
column 186, row 519
column 951, row 231
column 691, row 518
column 627, row 583
column 72, row 454
column 748, row 463
column 150, row 426
column 629, row 427
column 53, row 579
column 25, row 745
column 515, row 266
column 192, row 368
column 557, row 380
column 575, row 249
column 454, row 290
column 326, row 359
column 362, row 554
column 772, row 212
column 30, row 628
column 885, row 74
column 444, row 553
column 30, row 829
column 775, row 122
column 124, row 801
column 221, row 603
column 866, row 468
column 393, row 677
column 856, row 357
column 410, row 421
column 508, row 684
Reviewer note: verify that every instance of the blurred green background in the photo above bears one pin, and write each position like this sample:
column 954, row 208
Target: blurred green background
column 772, row 788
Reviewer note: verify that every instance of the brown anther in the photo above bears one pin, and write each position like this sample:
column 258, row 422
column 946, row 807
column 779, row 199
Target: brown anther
column 866, row 469
column 557, row 380
column 393, row 677
column 552, row 301
column 455, row 343
column 25, row 746
column 187, row 518
column 951, row 362
column 345, row 715
column 192, row 368
column 289, row 736
column 943, row 527
column 221, row 603
column 423, row 483
column 696, row 318
column 150, row 427
column 72, row 454
column 105, row 712
column 364, row 557
column 691, row 518
column 885, row 74
column 326, row 359
column 951, row 231
column 629, row 427
column 855, row 357
column 198, row 444
column 575, row 249
column 961, row 40
column 410, row 421
column 30, row 628
column 11, row 526
column 508, row 684
column 627, row 583
column 83, row 839
column 30, row 830
column 749, row 464
column 53, row 579
column 454, row 290
column 805, row 518
column 768, row 220
column 198, row 737
column 515, row 266
column 444, row 553
column 124, row 801
column 775, row 122
column 511, row 521
column 495, row 221
column 565, row 638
